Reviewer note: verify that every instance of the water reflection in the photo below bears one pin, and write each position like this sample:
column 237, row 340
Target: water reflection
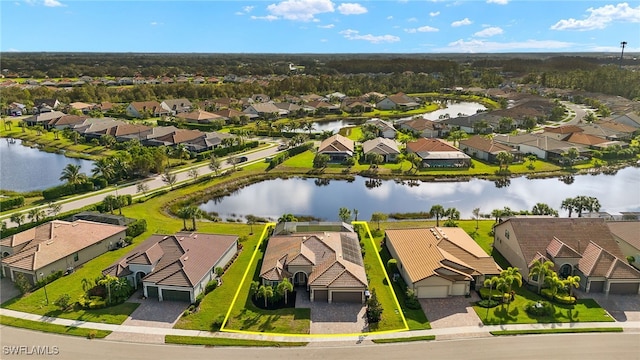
column 273, row 198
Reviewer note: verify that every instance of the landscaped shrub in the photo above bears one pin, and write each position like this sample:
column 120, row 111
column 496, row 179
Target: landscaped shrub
column 496, row 295
column 99, row 182
column 539, row 308
column 67, row 189
column 50, row 278
column 211, row 285
column 374, row 308
column 564, row 299
column 91, row 302
column 199, row 299
column 411, row 300
column 11, row 203
column 63, row 301
column 137, row 227
column 217, row 323
column 488, row 303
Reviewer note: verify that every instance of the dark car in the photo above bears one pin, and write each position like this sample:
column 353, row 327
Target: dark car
column 242, row 159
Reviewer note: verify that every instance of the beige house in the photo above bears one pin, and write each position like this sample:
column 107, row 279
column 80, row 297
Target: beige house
column 175, row 267
column 57, row 246
column 388, row 148
column 627, row 235
column 327, row 264
column 338, row 147
column 577, row 246
column 439, row 262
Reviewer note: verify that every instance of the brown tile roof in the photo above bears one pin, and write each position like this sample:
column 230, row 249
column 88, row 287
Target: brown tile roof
column 597, row 261
column 429, row 145
column 229, row 113
column 535, row 233
column 421, row 124
column 126, row 129
column 199, row 115
column 444, row 252
column 336, row 143
column 585, row 139
column 58, row 239
column 564, row 129
column 629, row 231
column 149, row 105
column 180, row 136
column 558, row 249
column 483, row 144
column 182, row 259
column 68, row 120
column 616, row 126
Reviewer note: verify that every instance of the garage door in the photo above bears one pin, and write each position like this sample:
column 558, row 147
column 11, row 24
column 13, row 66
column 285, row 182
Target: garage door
column 152, row 292
column 623, row 288
column 175, row 295
column 425, row 292
column 596, row 286
column 320, row 295
column 347, row 296
column 458, row 289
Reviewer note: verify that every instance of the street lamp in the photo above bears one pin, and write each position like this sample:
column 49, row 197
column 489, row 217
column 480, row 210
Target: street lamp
column 44, row 282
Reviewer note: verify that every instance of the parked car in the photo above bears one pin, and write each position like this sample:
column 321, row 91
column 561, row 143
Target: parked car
column 283, row 147
column 242, row 159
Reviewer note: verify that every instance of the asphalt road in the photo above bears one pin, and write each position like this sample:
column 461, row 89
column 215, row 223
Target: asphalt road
column 535, row 347
column 153, row 183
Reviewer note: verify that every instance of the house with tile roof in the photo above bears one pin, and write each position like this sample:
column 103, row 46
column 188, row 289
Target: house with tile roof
column 484, row 149
column 544, row 147
column 266, row 110
column 577, row 246
column 630, row 119
column 175, row 267
column 177, row 106
column 609, row 130
column 424, row 128
column 386, row 147
column 398, row 101
column 140, row 109
column 338, row 147
column 67, row 121
column 436, row 153
column 43, row 118
column 328, row 264
column 439, row 262
column 385, row 128
column 171, row 136
column 57, row 246
column 627, row 236
column 199, row 116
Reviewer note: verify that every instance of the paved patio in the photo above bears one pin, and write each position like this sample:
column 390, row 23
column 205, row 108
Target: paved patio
column 336, row 318
column 454, row 311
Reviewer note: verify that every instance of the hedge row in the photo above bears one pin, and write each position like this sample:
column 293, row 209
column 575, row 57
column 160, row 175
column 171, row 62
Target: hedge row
column 192, row 126
column 137, row 227
column 67, row 189
column 280, row 158
column 224, row 151
column 11, row 203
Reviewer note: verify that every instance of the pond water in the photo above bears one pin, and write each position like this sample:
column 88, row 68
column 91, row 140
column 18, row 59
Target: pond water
column 464, row 108
column 313, row 197
column 26, row 169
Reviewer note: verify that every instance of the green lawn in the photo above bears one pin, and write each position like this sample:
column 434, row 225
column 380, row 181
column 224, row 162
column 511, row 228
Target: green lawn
column 586, row 310
column 209, row 341
column 554, row 331
column 52, row 328
column 404, row 339
column 353, row 132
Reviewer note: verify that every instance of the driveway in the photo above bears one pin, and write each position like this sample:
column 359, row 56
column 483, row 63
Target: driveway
column 620, row 307
column 336, row 318
column 7, row 290
column 150, row 313
column 454, row 311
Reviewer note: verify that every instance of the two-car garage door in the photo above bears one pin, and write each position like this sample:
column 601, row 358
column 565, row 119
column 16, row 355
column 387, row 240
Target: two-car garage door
column 623, row 288
column 168, row 295
column 427, row 292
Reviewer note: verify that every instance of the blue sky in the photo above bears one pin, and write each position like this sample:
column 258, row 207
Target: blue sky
column 320, row 26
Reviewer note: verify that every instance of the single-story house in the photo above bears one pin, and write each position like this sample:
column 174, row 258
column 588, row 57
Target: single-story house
column 561, row 132
column 338, row 147
column 45, row 105
column 630, row 119
column 439, row 262
column 386, row 147
column 627, row 236
column 320, row 106
column 122, row 132
column 174, row 137
column 437, row 153
column 484, row 149
column 57, row 246
column 425, row 128
column 209, row 141
column 44, row 118
column 577, row 246
column 177, row 106
column 199, row 116
column 85, row 108
column 609, row 130
column 385, row 129
column 228, row 114
column 16, row 109
column 327, row 264
column 544, row 147
column 139, row 109
column 175, row 267
column 398, row 101
column 67, row 121
column 264, row 110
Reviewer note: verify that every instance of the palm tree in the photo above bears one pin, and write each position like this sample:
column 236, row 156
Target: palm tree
column 195, row 213
column 284, row 287
column 490, row 282
column 568, row 204
column 344, row 214
column 412, row 159
column 511, row 277
column 183, row 213
column 554, row 283
column 355, row 214
column 110, row 202
column 265, row 292
column 36, row 214
column 437, row 211
column 253, row 288
column 104, row 167
column 457, row 135
column 543, row 209
column 379, row 216
column 72, row 175
column 504, row 158
column 571, row 282
column 287, row 218
column 541, row 269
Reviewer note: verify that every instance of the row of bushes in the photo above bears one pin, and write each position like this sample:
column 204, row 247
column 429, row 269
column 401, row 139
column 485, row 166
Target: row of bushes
column 214, row 126
column 561, row 298
column 67, row 189
column 137, row 227
column 280, row 158
column 11, row 203
column 224, row 151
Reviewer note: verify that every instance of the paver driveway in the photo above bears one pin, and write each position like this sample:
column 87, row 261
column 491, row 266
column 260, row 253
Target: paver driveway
column 7, row 290
column 620, row 307
column 453, row 311
column 336, row 318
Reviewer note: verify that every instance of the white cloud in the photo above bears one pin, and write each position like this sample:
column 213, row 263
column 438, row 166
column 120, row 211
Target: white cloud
column 374, row 39
column 52, row 3
column 412, row 19
column 351, row 9
column 483, row 46
column 328, row 26
column 324, row 40
column 434, row 13
column 600, row 17
column 462, row 22
column 268, row 17
column 247, row 8
column 299, row 10
column 389, row 17
column 488, row 32
column 425, row 28
column 153, row 23
column 499, row 2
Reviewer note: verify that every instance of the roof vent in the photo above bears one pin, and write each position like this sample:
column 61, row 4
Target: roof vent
column 186, row 258
column 49, row 242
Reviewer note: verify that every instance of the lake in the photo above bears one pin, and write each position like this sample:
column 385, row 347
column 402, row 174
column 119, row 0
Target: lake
column 298, row 196
column 26, row 169
column 464, row 108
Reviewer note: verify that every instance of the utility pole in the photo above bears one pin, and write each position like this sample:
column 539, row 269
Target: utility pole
column 622, row 45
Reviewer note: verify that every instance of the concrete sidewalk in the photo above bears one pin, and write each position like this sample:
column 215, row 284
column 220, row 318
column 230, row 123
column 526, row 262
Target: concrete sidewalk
column 457, row 332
